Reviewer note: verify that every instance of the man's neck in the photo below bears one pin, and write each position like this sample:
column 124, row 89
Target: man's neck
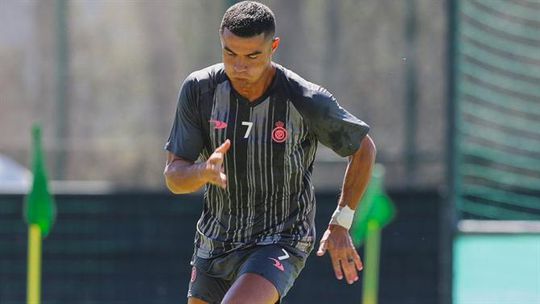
column 254, row 91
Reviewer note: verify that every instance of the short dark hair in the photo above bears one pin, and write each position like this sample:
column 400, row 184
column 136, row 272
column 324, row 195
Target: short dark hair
column 248, row 19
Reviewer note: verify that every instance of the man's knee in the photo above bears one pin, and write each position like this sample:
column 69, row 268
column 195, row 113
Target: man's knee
column 253, row 289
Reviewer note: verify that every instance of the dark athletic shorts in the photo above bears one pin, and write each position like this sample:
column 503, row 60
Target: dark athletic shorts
column 211, row 278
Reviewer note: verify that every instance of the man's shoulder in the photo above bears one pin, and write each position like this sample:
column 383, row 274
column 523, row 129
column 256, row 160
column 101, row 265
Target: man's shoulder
column 207, row 78
column 213, row 71
column 302, row 89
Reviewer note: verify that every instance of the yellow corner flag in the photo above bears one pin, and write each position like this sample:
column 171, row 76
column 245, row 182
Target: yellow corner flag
column 39, row 213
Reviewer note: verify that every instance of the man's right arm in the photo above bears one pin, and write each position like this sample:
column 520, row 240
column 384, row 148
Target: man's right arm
column 183, row 176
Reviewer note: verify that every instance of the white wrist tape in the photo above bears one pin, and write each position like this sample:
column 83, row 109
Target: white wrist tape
column 343, row 216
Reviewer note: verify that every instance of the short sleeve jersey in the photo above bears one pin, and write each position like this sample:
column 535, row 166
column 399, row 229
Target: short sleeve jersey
column 269, row 196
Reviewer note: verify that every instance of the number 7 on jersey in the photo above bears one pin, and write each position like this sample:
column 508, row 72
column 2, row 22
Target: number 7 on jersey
column 249, row 125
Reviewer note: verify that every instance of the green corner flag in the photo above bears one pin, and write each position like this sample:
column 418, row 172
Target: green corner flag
column 374, row 206
column 39, row 208
column 375, row 211
column 39, row 213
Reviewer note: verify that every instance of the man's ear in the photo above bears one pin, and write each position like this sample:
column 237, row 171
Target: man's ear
column 275, row 44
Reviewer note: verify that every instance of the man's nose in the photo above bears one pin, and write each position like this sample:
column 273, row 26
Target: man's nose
column 239, row 66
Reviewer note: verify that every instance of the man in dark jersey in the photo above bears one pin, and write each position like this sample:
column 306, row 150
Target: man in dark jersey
column 247, row 130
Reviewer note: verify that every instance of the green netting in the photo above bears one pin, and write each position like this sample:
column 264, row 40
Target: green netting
column 478, row 150
column 515, row 11
column 505, row 118
column 482, row 210
column 500, row 62
column 481, row 15
column 497, row 99
column 499, row 175
column 504, row 139
column 501, row 80
column 503, row 197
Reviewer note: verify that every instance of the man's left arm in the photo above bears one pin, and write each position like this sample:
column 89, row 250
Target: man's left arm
column 337, row 240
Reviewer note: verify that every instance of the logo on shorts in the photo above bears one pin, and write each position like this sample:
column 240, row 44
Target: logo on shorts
column 279, row 134
column 193, row 274
column 218, row 124
column 278, row 264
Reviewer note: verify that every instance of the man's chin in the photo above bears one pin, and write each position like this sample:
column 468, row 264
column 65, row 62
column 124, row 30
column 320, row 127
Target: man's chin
column 241, row 82
column 241, row 79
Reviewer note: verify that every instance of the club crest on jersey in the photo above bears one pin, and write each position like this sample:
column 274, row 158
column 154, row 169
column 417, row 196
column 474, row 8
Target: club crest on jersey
column 279, row 134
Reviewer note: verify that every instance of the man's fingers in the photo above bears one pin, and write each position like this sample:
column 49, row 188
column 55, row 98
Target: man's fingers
column 219, row 180
column 223, row 180
column 322, row 248
column 324, row 243
column 351, row 264
column 349, row 269
column 358, row 262
column 337, row 267
column 345, row 260
column 224, row 147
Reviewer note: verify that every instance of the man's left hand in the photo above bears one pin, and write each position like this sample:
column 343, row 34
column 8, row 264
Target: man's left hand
column 345, row 259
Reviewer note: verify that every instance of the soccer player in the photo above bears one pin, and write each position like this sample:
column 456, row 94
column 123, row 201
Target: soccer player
column 247, row 130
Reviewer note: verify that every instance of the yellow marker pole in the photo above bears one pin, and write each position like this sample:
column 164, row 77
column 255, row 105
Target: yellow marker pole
column 33, row 291
column 371, row 270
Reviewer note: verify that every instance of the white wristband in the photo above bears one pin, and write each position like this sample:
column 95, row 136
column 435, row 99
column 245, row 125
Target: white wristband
column 343, row 216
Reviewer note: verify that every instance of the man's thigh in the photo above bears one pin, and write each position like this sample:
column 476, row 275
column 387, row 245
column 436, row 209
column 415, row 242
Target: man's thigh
column 276, row 267
column 251, row 288
column 206, row 289
column 192, row 300
column 276, row 264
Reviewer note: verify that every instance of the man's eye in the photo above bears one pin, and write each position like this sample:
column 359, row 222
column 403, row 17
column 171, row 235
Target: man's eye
column 252, row 56
column 229, row 53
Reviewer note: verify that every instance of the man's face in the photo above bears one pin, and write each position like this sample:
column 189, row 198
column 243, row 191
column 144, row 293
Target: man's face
column 246, row 59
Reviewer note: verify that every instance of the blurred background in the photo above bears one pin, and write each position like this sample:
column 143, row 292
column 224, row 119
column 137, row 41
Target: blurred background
column 103, row 77
column 450, row 88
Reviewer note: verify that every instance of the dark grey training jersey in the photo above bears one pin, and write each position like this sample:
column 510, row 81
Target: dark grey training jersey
column 269, row 196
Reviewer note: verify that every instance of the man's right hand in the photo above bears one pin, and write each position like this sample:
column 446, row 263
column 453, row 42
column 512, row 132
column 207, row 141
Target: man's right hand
column 213, row 171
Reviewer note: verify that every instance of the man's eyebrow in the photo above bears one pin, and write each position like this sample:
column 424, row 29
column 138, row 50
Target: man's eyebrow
column 229, row 50
column 255, row 53
column 250, row 54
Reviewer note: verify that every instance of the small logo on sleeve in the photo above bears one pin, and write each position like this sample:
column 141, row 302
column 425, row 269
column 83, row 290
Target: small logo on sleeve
column 218, row 124
column 279, row 134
